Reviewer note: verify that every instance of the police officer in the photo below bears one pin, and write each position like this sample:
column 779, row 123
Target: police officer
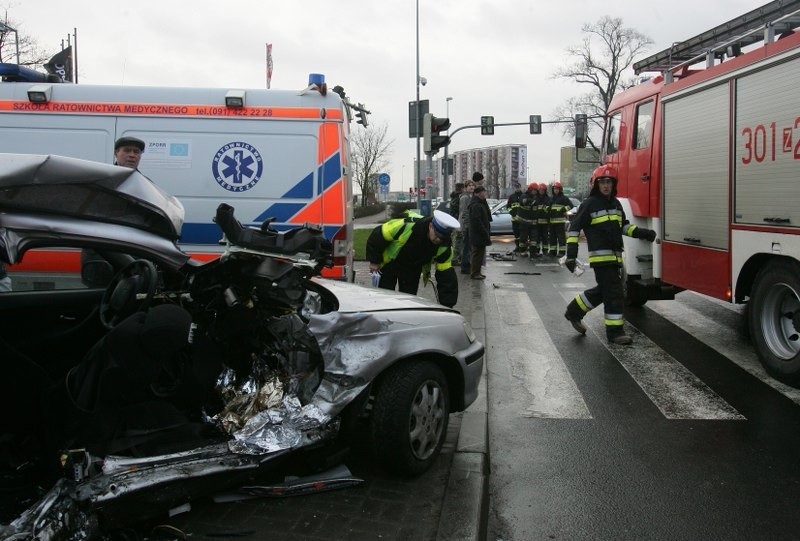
column 559, row 205
column 128, row 152
column 513, row 208
column 603, row 222
column 403, row 248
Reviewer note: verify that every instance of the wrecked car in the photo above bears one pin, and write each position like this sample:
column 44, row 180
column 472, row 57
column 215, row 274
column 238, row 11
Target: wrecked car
column 138, row 378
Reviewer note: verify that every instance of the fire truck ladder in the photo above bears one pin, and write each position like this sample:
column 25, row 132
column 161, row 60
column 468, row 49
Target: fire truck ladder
column 726, row 40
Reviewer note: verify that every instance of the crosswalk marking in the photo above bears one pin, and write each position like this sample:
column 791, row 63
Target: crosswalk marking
column 721, row 339
column 550, row 390
column 675, row 391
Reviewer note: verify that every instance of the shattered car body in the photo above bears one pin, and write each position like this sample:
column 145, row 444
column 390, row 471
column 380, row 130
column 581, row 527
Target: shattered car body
column 160, row 378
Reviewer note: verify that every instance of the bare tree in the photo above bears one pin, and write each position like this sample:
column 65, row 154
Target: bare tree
column 368, row 157
column 601, row 61
column 30, row 53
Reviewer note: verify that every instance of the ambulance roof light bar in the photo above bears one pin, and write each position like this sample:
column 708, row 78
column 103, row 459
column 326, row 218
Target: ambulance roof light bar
column 235, row 99
column 40, row 93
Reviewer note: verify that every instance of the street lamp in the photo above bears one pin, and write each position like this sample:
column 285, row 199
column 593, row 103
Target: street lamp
column 447, row 101
column 4, row 28
column 416, row 173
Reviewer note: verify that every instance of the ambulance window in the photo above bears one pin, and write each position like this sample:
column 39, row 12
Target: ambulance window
column 644, row 125
column 612, row 135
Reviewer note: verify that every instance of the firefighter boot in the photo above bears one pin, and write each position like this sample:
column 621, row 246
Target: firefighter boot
column 575, row 317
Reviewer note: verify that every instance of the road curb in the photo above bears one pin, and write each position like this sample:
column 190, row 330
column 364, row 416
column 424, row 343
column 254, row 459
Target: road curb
column 466, row 499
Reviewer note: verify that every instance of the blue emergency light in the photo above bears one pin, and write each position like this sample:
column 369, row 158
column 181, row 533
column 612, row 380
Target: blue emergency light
column 15, row 73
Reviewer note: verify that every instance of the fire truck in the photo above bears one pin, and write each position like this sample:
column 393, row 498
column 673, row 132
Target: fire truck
column 708, row 155
column 279, row 154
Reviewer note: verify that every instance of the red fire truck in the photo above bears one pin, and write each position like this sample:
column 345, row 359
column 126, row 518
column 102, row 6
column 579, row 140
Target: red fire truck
column 708, row 154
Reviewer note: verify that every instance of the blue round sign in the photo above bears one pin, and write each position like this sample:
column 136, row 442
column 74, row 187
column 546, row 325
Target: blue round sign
column 383, row 179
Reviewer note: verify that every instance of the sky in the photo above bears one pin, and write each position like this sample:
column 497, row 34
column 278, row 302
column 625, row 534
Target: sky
column 492, row 57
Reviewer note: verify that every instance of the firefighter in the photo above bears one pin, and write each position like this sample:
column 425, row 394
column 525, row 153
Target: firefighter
column 603, row 222
column 513, row 208
column 542, row 209
column 404, row 248
column 526, row 219
column 559, row 205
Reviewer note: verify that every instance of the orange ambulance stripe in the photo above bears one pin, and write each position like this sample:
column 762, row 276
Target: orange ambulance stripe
column 170, row 110
column 328, row 141
column 328, row 209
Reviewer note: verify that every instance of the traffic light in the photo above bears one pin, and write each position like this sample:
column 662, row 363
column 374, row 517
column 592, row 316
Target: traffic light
column 536, row 124
column 487, row 125
column 433, row 139
column 361, row 115
column 581, row 130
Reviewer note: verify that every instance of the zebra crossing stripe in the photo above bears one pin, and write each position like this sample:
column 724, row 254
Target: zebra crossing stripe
column 720, row 338
column 541, row 376
column 675, row 391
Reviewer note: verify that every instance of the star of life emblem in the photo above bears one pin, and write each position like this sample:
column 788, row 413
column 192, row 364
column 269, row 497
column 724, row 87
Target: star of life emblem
column 237, row 166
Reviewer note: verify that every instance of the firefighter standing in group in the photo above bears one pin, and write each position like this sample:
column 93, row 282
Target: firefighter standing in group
column 542, row 209
column 513, row 207
column 526, row 218
column 559, row 206
column 403, row 248
column 603, row 221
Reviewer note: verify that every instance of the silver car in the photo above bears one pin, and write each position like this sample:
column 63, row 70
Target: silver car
column 138, row 378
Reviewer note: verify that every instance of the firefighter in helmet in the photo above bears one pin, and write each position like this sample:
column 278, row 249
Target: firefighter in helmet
column 526, row 218
column 513, row 208
column 603, row 221
column 559, row 206
column 404, row 248
column 542, row 210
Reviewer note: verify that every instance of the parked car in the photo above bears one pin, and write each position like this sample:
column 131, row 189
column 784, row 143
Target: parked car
column 501, row 219
column 137, row 378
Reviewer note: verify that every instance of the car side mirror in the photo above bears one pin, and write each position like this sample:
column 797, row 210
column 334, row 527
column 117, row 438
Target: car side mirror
column 96, row 273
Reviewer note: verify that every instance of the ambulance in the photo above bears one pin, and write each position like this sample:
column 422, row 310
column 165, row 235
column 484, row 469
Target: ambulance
column 708, row 155
column 268, row 153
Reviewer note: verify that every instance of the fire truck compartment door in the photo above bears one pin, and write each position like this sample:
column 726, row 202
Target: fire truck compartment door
column 696, row 168
column 768, row 147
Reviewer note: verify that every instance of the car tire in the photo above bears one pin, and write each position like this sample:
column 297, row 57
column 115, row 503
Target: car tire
column 410, row 413
column 774, row 320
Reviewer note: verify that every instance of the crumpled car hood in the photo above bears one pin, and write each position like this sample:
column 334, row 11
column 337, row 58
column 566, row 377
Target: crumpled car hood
column 355, row 298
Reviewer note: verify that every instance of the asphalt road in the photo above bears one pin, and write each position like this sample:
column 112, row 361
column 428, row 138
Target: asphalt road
column 681, row 436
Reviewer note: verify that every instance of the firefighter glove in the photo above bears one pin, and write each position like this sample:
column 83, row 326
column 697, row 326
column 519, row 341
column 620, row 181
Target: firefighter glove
column 570, row 264
column 650, row 235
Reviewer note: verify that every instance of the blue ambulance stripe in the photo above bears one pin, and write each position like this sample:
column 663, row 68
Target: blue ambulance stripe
column 211, row 234
column 282, row 212
column 332, row 172
column 303, row 190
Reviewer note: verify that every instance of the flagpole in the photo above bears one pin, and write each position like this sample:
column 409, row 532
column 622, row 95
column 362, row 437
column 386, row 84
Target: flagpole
column 75, row 56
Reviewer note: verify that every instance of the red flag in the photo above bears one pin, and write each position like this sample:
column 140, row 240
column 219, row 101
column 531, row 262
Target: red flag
column 269, row 64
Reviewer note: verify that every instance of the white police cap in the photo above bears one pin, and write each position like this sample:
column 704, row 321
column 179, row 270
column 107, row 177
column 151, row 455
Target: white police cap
column 443, row 223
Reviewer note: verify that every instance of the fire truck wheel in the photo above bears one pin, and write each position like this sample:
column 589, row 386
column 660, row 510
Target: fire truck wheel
column 774, row 317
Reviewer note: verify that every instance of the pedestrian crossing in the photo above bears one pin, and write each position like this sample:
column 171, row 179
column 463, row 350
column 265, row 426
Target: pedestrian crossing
column 547, row 389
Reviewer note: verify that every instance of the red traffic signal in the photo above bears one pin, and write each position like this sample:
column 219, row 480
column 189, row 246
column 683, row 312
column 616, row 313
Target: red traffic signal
column 432, row 127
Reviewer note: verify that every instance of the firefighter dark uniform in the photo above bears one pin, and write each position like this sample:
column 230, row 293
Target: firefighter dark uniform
column 542, row 209
column 526, row 218
column 603, row 221
column 513, row 207
column 559, row 205
column 403, row 250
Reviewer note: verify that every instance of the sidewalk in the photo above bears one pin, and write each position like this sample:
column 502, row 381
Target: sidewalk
column 465, row 503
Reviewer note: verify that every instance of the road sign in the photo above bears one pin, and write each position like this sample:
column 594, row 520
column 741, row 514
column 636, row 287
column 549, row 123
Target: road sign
column 384, row 179
column 487, row 125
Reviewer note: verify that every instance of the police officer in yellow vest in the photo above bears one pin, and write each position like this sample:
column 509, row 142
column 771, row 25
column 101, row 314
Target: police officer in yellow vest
column 405, row 247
